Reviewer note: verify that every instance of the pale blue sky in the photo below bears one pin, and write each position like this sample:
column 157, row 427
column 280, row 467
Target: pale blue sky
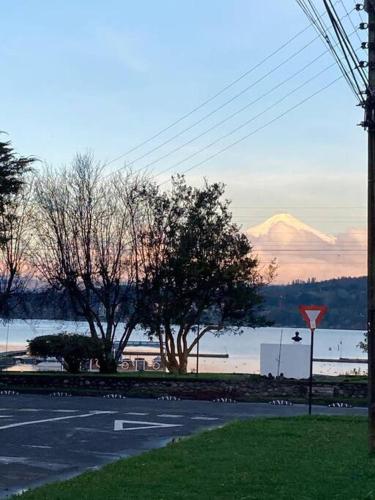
column 104, row 76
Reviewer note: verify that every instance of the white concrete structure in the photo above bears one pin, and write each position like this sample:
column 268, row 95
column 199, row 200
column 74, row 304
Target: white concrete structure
column 292, row 360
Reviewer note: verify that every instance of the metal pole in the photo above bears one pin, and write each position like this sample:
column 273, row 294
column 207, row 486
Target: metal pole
column 370, row 107
column 7, row 338
column 311, row 368
column 279, row 359
column 197, row 368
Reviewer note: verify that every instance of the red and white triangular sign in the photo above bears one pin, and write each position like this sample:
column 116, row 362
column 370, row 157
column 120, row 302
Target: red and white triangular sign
column 313, row 315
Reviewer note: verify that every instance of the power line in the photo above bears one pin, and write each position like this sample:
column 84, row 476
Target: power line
column 309, row 10
column 229, row 133
column 216, row 95
column 354, row 76
column 266, row 94
column 270, row 122
column 351, row 20
column 315, row 207
column 359, row 13
column 293, row 232
column 244, row 124
column 222, row 106
column 207, row 115
column 333, row 250
column 346, row 45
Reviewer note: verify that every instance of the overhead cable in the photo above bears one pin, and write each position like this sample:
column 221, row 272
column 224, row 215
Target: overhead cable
column 258, row 129
column 216, row 95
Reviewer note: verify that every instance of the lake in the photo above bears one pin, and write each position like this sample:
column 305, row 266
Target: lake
column 243, row 350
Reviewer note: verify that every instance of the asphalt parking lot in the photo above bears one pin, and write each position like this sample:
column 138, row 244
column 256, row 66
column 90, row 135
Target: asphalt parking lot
column 45, row 439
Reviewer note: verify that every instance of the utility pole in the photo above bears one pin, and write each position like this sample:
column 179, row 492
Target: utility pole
column 369, row 7
column 354, row 71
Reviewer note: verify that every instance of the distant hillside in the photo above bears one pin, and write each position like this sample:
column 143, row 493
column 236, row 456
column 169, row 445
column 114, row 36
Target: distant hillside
column 345, row 298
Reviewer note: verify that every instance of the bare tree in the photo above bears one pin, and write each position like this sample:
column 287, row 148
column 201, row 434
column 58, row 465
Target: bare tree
column 85, row 245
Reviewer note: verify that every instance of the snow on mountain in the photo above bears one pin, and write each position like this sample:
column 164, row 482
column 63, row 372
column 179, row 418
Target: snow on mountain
column 304, row 252
column 284, row 224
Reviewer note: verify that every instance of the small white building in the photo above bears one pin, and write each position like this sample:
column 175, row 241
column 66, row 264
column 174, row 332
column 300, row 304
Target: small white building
column 291, row 360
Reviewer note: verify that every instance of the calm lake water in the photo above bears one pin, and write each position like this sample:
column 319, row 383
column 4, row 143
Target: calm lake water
column 243, row 350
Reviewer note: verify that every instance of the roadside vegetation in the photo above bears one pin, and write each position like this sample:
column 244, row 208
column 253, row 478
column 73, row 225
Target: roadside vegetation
column 331, row 379
column 125, row 254
column 260, row 459
column 130, row 255
column 70, row 349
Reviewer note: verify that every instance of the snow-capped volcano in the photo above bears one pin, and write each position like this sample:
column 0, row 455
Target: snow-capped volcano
column 288, row 226
column 304, row 252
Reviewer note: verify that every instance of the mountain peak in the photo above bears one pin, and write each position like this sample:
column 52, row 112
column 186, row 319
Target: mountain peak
column 291, row 222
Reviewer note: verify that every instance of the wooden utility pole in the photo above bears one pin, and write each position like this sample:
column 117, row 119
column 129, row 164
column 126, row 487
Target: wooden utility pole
column 370, row 124
column 362, row 85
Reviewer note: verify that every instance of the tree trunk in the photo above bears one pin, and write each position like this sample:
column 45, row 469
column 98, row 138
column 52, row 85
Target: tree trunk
column 107, row 363
column 177, row 365
column 183, row 361
column 73, row 365
column 172, row 364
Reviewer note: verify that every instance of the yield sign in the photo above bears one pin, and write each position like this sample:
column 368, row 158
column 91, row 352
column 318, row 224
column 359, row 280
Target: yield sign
column 128, row 425
column 313, row 315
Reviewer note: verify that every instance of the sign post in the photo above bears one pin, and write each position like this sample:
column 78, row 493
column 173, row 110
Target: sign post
column 313, row 316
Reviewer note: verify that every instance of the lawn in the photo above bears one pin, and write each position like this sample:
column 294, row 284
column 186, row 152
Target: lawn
column 140, row 375
column 300, row 458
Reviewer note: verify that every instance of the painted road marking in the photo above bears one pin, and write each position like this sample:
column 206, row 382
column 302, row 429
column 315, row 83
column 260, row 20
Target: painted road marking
column 119, row 425
column 31, row 422
column 135, row 413
column 64, row 411
column 92, row 429
column 6, row 416
column 204, row 418
column 37, row 446
column 47, row 410
column 167, row 415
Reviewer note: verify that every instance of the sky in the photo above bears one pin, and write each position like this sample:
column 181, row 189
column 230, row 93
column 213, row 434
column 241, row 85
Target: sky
column 106, row 76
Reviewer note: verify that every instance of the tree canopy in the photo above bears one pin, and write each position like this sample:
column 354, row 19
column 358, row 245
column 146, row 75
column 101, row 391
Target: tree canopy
column 195, row 260
column 71, row 349
column 14, row 226
column 13, row 169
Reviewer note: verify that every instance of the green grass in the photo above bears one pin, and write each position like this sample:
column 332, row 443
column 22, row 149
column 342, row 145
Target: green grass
column 142, row 375
column 331, row 379
column 347, row 379
column 319, row 458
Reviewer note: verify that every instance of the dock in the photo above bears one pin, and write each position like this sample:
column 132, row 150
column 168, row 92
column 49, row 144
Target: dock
column 341, row 360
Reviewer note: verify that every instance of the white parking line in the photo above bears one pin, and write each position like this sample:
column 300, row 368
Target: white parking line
column 204, row 418
column 31, row 422
column 37, row 446
column 119, row 425
column 135, row 413
column 28, row 409
column 167, row 415
column 46, row 410
column 64, row 411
